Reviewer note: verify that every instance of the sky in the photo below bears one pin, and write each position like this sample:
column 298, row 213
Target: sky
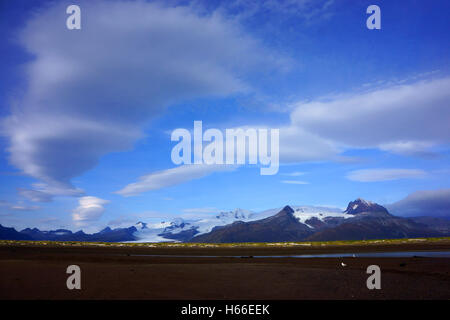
column 86, row 116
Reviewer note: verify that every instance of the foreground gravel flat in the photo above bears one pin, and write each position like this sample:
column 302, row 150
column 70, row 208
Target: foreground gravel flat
column 39, row 272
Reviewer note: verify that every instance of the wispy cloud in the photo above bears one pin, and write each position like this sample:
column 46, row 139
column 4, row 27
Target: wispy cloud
column 294, row 174
column 408, row 119
column 35, row 195
column 373, row 175
column 20, row 206
column 199, row 213
column 201, row 210
column 170, row 177
column 294, row 182
column 410, row 148
column 123, row 221
column 91, row 92
column 43, row 192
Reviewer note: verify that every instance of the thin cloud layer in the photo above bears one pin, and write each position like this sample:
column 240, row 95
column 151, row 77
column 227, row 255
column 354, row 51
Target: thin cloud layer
column 373, row 175
column 408, row 119
column 91, row 91
column 170, row 177
column 17, row 206
column 403, row 118
column 298, row 145
column 34, row 195
column 423, row 203
column 294, row 182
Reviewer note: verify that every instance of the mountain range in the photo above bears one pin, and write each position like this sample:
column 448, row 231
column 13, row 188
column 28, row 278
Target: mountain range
column 361, row 220
column 105, row 235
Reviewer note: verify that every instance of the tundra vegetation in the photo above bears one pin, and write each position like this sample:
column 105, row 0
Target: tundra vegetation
column 227, row 245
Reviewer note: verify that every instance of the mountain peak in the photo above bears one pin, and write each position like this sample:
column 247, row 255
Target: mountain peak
column 177, row 223
column 236, row 214
column 140, row 225
column 288, row 209
column 282, row 226
column 360, row 205
column 105, row 230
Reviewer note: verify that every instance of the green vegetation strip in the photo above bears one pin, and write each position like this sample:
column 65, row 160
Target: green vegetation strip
column 223, row 245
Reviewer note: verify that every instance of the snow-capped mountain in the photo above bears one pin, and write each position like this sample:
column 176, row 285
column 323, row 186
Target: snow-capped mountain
column 315, row 217
column 309, row 215
column 141, row 225
column 183, row 230
column 363, row 206
column 237, row 214
column 361, row 220
column 283, row 226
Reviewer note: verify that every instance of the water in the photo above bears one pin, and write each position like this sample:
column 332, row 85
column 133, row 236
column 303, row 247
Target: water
column 394, row 254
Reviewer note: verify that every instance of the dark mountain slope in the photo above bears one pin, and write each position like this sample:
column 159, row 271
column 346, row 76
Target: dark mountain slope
column 361, row 220
column 378, row 225
column 363, row 206
column 435, row 223
column 12, row 234
column 105, row 235
column 281, row 227
column 367, row 220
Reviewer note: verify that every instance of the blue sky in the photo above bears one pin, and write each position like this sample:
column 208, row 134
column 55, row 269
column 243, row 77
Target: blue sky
column 86, row 113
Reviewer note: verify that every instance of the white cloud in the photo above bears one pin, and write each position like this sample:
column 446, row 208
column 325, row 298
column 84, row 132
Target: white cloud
column 372, row 175
column 201, row 210
column 415, row 148
column 170, row 177
column 410, row 119
column 199, row 213
column 43, row 192
column 91, row 91
column 89, row 209
column 298, row 145
column 401, row 118
column 294, row 182
column 122, row 222
column 35, row 195
column 423, row 203
column 20, row 206
column 294, row 174
column 407, row 119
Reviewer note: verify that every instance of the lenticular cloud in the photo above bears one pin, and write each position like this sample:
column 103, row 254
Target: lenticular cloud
column 90, row 91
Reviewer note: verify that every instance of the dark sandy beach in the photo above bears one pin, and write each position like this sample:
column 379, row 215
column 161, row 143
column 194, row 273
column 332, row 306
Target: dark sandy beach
column 39, row 272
